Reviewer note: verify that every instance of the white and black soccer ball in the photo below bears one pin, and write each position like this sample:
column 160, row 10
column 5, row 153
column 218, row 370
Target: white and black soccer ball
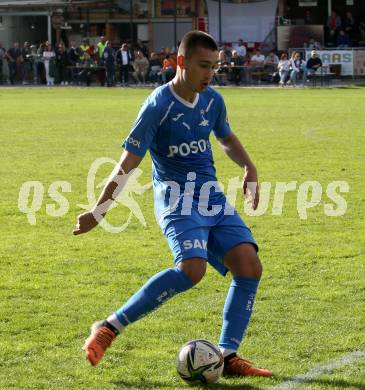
column 199, row 361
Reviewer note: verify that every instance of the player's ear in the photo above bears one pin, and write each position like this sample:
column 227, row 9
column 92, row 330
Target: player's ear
column 181, row 61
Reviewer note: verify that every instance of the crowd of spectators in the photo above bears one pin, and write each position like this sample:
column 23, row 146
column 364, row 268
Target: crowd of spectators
column 81, row 64
column 340, row 30
column 344, row 31
column 238, row 65
column 249, row 67
column 133, row 64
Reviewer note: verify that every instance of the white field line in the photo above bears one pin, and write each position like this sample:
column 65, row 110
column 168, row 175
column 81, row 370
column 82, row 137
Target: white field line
column 311, row 133
column 320, row 370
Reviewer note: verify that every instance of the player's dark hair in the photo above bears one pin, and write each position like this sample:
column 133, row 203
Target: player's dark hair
column 194, row 39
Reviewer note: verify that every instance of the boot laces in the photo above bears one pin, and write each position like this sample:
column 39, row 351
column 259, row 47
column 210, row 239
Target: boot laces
column 240, row 362
column 104, row 338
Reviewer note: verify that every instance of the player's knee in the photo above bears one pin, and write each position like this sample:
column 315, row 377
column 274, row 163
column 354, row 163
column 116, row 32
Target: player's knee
column 257, row 268
column 253, row 267
column 194, row 269
column 246, row 264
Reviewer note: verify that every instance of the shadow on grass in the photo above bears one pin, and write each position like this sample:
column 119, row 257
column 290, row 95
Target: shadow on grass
column 327, row 383
column 153, row 384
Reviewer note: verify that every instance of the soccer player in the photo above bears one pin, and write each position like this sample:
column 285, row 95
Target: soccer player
column 175, row 123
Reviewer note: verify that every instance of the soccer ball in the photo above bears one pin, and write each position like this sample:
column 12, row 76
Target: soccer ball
column 199, row 361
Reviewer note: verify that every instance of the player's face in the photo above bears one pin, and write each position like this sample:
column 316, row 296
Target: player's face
column 199, row 69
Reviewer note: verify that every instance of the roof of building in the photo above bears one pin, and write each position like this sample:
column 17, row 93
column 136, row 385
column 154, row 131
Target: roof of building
column 22, row 3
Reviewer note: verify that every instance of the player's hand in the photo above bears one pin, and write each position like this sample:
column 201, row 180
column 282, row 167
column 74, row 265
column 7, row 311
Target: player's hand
column 251, row 187
column 85, row 222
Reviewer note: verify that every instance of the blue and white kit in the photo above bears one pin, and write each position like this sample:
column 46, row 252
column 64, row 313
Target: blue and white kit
column 189, row 205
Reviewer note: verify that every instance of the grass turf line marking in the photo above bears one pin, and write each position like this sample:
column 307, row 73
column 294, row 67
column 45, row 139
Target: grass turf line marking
column 318, row 371
column 312, row 134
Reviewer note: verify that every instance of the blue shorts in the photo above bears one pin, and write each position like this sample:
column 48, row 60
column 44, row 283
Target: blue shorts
column 207, row 237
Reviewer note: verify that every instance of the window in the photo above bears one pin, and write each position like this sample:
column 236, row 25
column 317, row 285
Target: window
column 139, row 7
column 167, row 7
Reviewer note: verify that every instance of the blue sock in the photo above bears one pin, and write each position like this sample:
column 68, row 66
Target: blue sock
column 237, row 311
column 156, row 291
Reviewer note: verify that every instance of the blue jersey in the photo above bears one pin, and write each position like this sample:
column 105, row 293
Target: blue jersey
column 176, row 132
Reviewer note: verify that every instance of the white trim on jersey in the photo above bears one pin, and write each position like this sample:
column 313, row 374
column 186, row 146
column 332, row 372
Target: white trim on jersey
column 183, row 101
column 167, row 112
column 209, row 105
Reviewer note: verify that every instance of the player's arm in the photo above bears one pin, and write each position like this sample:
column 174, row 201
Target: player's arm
column 112, row 189
column 237, row 153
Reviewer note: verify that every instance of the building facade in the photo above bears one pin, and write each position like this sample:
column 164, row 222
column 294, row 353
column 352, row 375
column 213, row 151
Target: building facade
column 160, row 23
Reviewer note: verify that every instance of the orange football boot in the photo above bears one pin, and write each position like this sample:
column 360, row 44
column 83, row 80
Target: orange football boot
column 236, row 366
column 99, row 340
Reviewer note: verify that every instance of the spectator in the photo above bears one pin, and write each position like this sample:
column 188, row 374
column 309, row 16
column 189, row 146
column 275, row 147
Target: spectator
column 247, row 66
column 74, row 54
column 257, row 65
column 35, row 60
column 240, row 48
column 73, row 60
column 108, row 58
column 61, row 64
column 123, row 60
column 140, row 67
column 223, row 68
column 156, row 68
column 87, row 66
column 362, row 32
column 222, row 58
column 26, row 63
column 348, row 26
column 14, row 57
column 343, row 40
column 271, row 62
column 312, row 65
column 49, row 64
column 168, row 69
column 283, row 69
column 2, row 56
column 100, row 47
column 257, row 60
column 99, row 51
column 83, row 48
column 140, row 46
column 331, row 39
column 333, row 23
column 227, row 52
column 314, row 45
column 296, row 66
column 41, row 72
column 236, row 67
column 308, row 19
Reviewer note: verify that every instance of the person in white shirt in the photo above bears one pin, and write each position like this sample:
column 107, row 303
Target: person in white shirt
column 240, row 48
column 49, row 64
column 257, row 60
column 296, row 66
column 271, row 62
column 123, row 59
column 283, row 68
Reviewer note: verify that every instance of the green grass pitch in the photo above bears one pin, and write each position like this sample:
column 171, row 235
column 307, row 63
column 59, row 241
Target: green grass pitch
column 310, row 307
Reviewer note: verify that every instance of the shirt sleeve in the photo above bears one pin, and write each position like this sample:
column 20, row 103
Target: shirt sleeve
column 221, row 128
column 144, row 129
